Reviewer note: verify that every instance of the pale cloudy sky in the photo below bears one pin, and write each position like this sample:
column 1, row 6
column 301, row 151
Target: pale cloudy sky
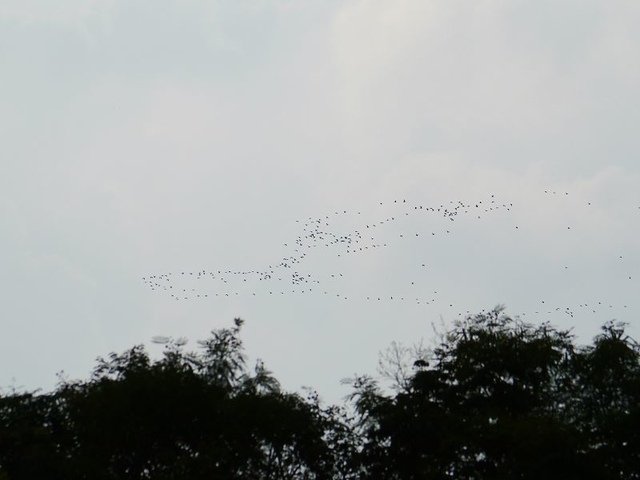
column 151, row 136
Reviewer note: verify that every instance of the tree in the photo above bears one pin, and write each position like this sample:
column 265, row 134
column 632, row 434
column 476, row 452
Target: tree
column 501, row 398
column 494, row 398
column 188, row 415
column 606, row 406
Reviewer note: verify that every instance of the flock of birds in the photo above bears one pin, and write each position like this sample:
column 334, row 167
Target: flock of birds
column 341, row 234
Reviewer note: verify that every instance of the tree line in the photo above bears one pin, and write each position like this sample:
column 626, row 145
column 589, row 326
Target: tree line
column 492, row 398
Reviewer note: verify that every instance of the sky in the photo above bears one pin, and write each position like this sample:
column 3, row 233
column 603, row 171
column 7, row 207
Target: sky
column 144, row 138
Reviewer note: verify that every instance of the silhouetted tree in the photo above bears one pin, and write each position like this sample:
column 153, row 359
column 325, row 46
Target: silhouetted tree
column 606, row 402
column 505, row 399
column 187, row 415
column 495, row 398
column 31, row 428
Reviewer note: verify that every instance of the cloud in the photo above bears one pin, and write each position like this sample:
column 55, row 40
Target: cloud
column 505, row 81
column 145, row 136
column 65, row 13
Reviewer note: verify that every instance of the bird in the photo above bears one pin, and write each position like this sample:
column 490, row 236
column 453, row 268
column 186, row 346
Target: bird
column 332, row 232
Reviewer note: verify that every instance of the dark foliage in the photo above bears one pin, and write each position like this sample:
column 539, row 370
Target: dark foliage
column 496, row 398
column 504, row 399
column 185, row 416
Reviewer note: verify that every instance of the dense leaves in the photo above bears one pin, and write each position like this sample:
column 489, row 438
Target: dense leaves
column 187, row 415
column 494, row 398
column 500, row 398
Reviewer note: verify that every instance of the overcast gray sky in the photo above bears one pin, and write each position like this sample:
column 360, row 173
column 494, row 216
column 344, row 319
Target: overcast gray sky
column 153, row 136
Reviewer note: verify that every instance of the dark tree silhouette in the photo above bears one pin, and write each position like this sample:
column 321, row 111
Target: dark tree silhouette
column 495, row 398
column 187, row 415
column 504, row 399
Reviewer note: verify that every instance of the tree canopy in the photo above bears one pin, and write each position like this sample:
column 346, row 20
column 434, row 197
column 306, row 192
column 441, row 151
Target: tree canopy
column 493, row 398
